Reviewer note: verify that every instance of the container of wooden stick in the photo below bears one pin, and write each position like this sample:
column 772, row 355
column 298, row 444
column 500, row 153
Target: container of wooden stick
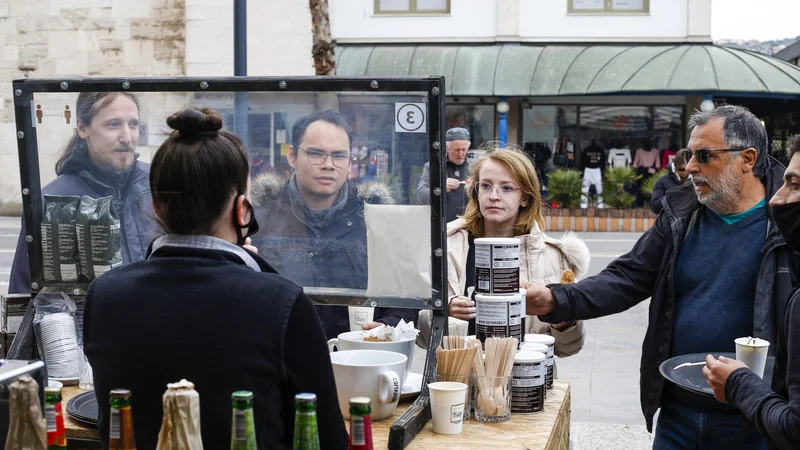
column 493, row 378
column 454, row 363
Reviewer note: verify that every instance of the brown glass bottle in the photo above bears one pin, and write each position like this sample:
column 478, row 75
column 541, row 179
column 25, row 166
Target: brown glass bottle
column 120, row 436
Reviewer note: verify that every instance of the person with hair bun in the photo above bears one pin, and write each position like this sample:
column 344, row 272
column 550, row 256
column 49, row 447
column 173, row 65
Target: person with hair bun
column 205, row 307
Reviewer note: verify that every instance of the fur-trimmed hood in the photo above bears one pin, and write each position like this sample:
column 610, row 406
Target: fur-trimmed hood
column 270, row 185
column 574, row 250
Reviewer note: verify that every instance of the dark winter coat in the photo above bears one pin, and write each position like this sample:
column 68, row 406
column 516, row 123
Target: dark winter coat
column 223, row 320
column 775, row 411
column 648, row 271
column 664, row 183
column 456, row 200
column 337, row 257
column 133, row 205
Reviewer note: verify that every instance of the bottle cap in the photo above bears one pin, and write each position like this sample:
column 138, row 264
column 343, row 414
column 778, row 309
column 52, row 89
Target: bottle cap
column 242, row 395
column 360, row 401
column 305, row 397
column 120, row 392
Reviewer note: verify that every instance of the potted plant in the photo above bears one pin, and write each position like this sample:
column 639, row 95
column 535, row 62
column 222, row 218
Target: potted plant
column 564, row 188
column 650, row 183
column 616, row 179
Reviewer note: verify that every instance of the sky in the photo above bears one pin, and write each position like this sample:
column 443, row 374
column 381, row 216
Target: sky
column 755, row 19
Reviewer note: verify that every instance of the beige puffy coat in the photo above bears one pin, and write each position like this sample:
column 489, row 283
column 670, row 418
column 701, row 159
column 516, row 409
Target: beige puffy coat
column 542, row 260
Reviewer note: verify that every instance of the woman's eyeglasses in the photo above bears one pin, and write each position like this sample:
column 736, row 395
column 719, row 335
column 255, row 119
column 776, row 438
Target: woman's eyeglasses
column 704, row 154
column 502, row 189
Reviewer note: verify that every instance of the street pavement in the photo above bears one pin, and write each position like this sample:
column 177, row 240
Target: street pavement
column 604, row 375
column 9, row 233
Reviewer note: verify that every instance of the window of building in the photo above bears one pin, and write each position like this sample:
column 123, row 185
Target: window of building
column 412, row 6
column 608, row 6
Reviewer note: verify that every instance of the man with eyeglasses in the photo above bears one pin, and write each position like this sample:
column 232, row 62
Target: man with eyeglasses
column 314, row 231
column 458, row 177
column 716, row 268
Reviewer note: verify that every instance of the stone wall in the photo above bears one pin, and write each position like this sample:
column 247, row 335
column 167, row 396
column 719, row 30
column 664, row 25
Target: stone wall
column 79, row 38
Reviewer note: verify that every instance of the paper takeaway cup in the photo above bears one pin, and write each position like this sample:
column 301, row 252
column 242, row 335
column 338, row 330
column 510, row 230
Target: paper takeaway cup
column 447, row 406
column 359, row 315
column 753, row 353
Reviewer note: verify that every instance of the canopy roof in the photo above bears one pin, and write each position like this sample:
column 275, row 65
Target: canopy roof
column 551, row 70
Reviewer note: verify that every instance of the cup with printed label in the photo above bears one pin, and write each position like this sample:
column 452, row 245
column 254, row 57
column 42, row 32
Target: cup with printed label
column 447, row 406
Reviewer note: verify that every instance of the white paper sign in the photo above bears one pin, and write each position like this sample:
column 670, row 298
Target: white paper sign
column 398, row 250
column 409, row 117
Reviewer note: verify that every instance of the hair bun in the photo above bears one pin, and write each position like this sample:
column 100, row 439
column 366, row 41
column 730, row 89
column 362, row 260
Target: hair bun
column 194, row 121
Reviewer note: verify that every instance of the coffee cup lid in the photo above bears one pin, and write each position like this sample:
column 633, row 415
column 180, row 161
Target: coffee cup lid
column 752, row 342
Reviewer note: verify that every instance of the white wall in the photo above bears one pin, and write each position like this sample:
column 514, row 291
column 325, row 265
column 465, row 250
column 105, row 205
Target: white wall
column 547, row 20
column 278, row 38
column 469, row 20
column 354, row 21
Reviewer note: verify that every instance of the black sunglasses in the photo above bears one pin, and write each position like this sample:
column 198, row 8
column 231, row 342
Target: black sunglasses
column 703, row 154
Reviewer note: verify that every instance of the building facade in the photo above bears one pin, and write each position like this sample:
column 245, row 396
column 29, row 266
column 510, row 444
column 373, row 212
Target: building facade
column 622, row 73
column 625, row 73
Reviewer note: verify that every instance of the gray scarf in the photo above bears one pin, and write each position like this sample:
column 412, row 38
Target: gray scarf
column 318, row 220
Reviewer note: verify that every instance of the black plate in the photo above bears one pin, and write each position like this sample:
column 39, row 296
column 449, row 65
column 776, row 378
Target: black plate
column 83, row 408
column 691, row 377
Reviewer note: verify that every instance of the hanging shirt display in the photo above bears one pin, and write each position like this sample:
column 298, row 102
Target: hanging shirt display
column 619, row 157
column 647, row 159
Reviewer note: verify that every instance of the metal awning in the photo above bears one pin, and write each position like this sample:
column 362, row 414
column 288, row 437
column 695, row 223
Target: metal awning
column 552, row 70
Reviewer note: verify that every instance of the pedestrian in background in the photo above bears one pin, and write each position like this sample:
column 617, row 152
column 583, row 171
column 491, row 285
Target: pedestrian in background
column 676, row 175
column 458, row 177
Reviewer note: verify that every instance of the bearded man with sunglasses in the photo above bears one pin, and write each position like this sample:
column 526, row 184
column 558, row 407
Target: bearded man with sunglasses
column 716, row 267
column 314, row 231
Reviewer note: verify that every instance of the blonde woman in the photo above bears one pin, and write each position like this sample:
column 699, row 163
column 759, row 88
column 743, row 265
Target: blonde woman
column 505, row 202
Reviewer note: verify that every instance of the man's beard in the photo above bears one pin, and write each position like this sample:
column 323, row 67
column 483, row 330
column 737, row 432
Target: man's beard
column 723, row 192
column 115, row 166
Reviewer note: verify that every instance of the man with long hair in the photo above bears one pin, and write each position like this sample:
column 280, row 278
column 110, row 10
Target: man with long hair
column 100, row 161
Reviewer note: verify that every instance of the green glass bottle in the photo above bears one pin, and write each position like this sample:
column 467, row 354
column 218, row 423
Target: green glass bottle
column 243, row 431
column 306, row 434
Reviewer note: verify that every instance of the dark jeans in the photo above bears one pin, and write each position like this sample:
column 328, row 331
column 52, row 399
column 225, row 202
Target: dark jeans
column 686, row 428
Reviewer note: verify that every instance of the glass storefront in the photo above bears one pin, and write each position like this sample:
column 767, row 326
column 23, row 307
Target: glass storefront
column 568, row 129
column 549, row 136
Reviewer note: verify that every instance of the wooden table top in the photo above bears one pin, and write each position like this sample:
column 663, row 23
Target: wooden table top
column 547, row 430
